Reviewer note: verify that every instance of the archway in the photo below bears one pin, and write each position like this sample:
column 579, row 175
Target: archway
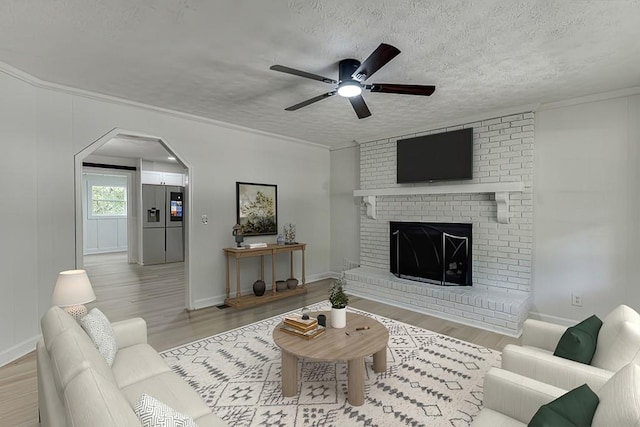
column 134, row 237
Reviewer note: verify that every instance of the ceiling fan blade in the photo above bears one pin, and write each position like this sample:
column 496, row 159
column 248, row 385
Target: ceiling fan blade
column 360, row 107
column 299, row 73
column 310, row 101
column 378, row 59
column 423, row 90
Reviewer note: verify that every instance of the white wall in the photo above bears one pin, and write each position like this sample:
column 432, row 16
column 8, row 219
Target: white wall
column 41, row 130
column 587, row 208
column 217, row 158
column 345, row 209
column 19, row 248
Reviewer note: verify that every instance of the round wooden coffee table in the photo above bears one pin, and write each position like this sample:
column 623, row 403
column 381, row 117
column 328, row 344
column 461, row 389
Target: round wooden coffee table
column 347, row 344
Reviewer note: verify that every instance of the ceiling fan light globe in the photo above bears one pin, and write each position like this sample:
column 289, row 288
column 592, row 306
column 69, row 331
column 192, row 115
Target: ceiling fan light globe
column 349, row 88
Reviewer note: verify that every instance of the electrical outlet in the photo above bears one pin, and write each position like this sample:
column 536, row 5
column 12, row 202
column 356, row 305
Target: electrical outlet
column 205, row 219
column 576, row 300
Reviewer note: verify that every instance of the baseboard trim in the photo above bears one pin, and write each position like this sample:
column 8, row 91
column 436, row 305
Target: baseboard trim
column 322, row 276
column 208, row 302
column 219, row 299
column 551, row 319
column 18, row 350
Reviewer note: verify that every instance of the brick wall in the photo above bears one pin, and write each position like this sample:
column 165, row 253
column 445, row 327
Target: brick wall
column 502, row 152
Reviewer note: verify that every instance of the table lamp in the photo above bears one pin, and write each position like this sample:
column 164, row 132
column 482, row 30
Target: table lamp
column 73, row 290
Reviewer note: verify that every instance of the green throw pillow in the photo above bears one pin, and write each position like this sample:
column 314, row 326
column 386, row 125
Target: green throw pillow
column 578, row 342
column 573, row 409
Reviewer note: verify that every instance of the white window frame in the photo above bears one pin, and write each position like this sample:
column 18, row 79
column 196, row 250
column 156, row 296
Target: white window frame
column 91, row 182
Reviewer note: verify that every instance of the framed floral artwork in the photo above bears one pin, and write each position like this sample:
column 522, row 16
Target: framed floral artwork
column 257, row 208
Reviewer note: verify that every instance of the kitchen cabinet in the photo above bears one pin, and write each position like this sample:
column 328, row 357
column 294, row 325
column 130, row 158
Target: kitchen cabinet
column 162, row 178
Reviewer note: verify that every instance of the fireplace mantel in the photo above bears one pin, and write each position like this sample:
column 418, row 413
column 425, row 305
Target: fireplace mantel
column 500, row 189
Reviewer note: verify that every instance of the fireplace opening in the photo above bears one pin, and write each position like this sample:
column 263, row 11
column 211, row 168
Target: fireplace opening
column 431, row 252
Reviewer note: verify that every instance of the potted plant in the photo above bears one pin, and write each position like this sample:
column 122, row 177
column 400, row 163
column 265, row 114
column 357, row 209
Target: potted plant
column 339, row 300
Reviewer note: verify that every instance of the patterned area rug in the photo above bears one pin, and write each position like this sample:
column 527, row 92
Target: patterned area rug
column 431, row 379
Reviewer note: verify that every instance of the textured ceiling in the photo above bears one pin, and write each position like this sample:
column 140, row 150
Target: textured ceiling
column 133, row 148
column 212, row 58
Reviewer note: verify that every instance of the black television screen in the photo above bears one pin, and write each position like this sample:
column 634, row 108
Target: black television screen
column 441, row 156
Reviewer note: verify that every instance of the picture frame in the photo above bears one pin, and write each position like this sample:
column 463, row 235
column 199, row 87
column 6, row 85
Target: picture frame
column 257, row 208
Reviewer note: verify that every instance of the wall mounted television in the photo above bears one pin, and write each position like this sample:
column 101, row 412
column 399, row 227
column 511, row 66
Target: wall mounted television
column 436, row 157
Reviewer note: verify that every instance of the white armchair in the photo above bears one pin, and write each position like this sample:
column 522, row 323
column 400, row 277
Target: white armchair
column 511, row 400
column 618, row 344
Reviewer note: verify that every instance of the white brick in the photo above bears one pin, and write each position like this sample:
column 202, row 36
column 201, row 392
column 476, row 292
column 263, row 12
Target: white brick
column 496, row 159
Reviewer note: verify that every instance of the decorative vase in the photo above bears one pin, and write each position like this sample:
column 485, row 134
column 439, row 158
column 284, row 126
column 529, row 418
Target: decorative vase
column 292, row 283
column 281, row 285
column 280, row 239
column 322, row 320
column 258, row 288
column 338, row 318
column 289, row 233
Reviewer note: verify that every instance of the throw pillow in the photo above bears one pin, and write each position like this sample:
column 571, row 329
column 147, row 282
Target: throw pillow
column 99, row 329
column 574, row 408
column 579, row 342
column 151, row 412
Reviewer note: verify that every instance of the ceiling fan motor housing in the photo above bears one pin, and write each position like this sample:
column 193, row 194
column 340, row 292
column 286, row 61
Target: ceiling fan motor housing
column 346, row 68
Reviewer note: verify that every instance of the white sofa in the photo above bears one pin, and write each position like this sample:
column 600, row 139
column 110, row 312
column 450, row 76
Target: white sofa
column 76, row 386
column 511, row 400
column 618, row 344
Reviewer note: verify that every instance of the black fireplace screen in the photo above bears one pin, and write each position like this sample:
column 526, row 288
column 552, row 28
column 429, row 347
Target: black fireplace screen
column 431, row 252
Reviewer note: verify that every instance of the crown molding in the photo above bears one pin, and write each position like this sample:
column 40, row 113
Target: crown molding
column 42, row 84
column 634, row 90
column 528, row 108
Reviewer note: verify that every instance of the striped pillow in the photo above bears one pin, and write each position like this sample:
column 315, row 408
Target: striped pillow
column 151, row 412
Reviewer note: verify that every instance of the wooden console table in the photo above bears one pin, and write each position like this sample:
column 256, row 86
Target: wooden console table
column 242, row 301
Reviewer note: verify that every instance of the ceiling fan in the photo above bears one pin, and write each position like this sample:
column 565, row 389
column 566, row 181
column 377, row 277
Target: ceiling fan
column 352, row 75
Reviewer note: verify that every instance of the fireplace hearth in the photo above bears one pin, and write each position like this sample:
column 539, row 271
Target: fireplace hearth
column 431, row 252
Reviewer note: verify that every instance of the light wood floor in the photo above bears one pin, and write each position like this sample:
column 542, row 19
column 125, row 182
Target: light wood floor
column 156, row 293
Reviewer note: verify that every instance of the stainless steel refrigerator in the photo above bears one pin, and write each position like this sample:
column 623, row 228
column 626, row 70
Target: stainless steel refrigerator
column 162, row 230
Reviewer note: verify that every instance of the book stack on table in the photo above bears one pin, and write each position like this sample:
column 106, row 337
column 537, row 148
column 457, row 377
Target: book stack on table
column 305, row 328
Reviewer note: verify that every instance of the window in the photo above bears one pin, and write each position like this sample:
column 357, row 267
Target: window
column 108, row 200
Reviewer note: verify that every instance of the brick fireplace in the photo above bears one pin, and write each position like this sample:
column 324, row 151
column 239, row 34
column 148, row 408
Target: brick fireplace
column 501, row 252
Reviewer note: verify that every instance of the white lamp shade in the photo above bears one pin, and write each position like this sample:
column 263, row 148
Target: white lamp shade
column 72, row 288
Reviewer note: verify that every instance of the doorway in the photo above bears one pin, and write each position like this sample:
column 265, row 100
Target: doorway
column 107, row 206
column 108, row 187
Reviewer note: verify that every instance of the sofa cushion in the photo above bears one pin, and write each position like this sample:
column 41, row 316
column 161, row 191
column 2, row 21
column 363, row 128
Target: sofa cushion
column 50, row 405
column 490, row 418
column 578, row 343
column 574, row 408
column 72, row 352
column 152, row 412
column 94, row 401
column 620, row 399
column 137, row 363
column 618, row 339
column 98, row 327
column 54, row 322
column 170, row 389
column 543, row 366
